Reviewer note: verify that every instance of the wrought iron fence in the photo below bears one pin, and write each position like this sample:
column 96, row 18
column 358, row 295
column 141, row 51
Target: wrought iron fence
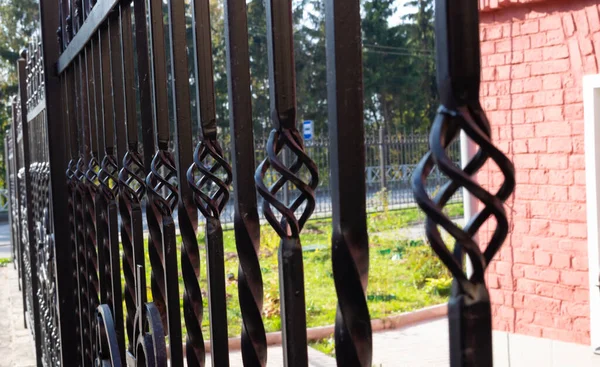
column 91, row 142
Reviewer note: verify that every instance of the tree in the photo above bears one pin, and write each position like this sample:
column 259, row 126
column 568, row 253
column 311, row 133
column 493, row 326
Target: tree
column 18, row 21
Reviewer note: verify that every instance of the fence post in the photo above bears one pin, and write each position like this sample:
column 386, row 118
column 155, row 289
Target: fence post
column 58, row 184
column 382, row 159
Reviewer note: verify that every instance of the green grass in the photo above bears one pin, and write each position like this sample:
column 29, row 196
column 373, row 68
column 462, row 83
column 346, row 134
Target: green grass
column 5, row 261
column 399, row 270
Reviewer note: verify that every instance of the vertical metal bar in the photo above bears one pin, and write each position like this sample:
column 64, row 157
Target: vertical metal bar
column 131, row 181
column 187, row 214
column 15, row 206
column 459, row 72
column 350, row 241
column 246, row 221
column 163, row 193
column 285, row 135
column 71, row 98
column 209, row 164
column 35, row 311
column 58, row 188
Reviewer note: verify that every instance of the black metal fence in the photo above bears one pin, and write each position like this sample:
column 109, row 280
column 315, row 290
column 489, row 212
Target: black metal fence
column 92, row 142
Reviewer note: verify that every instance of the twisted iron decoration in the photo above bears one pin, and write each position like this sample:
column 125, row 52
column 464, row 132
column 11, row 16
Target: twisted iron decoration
column 246, row 221
column 289, row 226
column 163, row 196
column 132, row 188
column 211, row 206
column 458, row 82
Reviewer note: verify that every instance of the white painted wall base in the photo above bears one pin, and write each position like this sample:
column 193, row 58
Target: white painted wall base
column 591, row 106
column 514, row 350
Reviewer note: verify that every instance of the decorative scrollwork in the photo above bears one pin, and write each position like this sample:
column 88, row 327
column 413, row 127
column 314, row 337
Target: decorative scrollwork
column 108, row 176
column 107, row 347
column 290, row 226
column 446, row 127
column 163, row 195
column 132, row 188
column 210, row 202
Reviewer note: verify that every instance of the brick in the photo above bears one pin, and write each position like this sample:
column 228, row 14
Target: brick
column 558, row 229
column 592, row 17
column 552, row 129
column 541, row 258
column 501, row 46
column 586, row 47
column 577, row 194
column 503, row 72
column 523, row 131
column 551, row 67
column 530, row 27
column 550, row 22
column 521, row 43
column 539, row 177
column 522, row 256
column 561, row 177
column 548, row 98
column 532, row 55
column 521, row 71
column 578, row 230
column 568, row 24
column 519, row 146
column 524, row 316
column 539, row 227
column 555, row 52
column 550, row 38
column 488, row 48
column 577, row 161
column 581, row 324
column 579, row 177
column 576, row 278
column 488, row 74
column 581, row 22
column 573, row 111
column 540, row 39
column 537, row 145
column 529, row 329
column 563, row 293
column 580, row 263
column 553, row 81
column 524, row 161
column 581, row 295
column 560, row 145
column 543, row 319
column 496, row 59
column 493, row 33
column 561, row 261
column 576, row 309
column 534, row 115
column 521, row 227
column 542, row 303
column 553, row 161
column 542, row 274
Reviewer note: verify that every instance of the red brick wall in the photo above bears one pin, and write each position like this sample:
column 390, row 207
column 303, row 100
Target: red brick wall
column 534, row 55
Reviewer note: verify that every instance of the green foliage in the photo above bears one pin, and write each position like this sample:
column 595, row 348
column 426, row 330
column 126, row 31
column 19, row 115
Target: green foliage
column 326, row 346
column 440, row 286
column 18, row 20
column 5, row 261
column 425, row 265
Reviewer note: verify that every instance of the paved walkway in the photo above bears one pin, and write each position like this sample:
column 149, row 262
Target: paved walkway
column 16, row 343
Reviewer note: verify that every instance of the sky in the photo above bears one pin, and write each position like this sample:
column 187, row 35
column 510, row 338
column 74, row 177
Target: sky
column 401, row 10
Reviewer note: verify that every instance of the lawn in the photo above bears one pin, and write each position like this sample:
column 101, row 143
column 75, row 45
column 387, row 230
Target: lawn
column 404, row 274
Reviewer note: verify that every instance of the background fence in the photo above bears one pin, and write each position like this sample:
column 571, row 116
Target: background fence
column 395, row 156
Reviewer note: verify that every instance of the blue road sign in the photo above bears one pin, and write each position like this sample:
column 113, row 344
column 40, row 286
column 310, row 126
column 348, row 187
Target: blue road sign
column 308, row 129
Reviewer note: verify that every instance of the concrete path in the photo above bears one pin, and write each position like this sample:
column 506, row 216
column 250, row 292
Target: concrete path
column 5, row 249
column 16, row 342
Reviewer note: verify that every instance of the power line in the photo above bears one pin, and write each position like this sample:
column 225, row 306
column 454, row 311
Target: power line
column 397, row 53
column 398, row 48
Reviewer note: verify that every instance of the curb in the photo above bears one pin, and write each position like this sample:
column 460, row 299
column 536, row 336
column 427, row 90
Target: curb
column 386, row 323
